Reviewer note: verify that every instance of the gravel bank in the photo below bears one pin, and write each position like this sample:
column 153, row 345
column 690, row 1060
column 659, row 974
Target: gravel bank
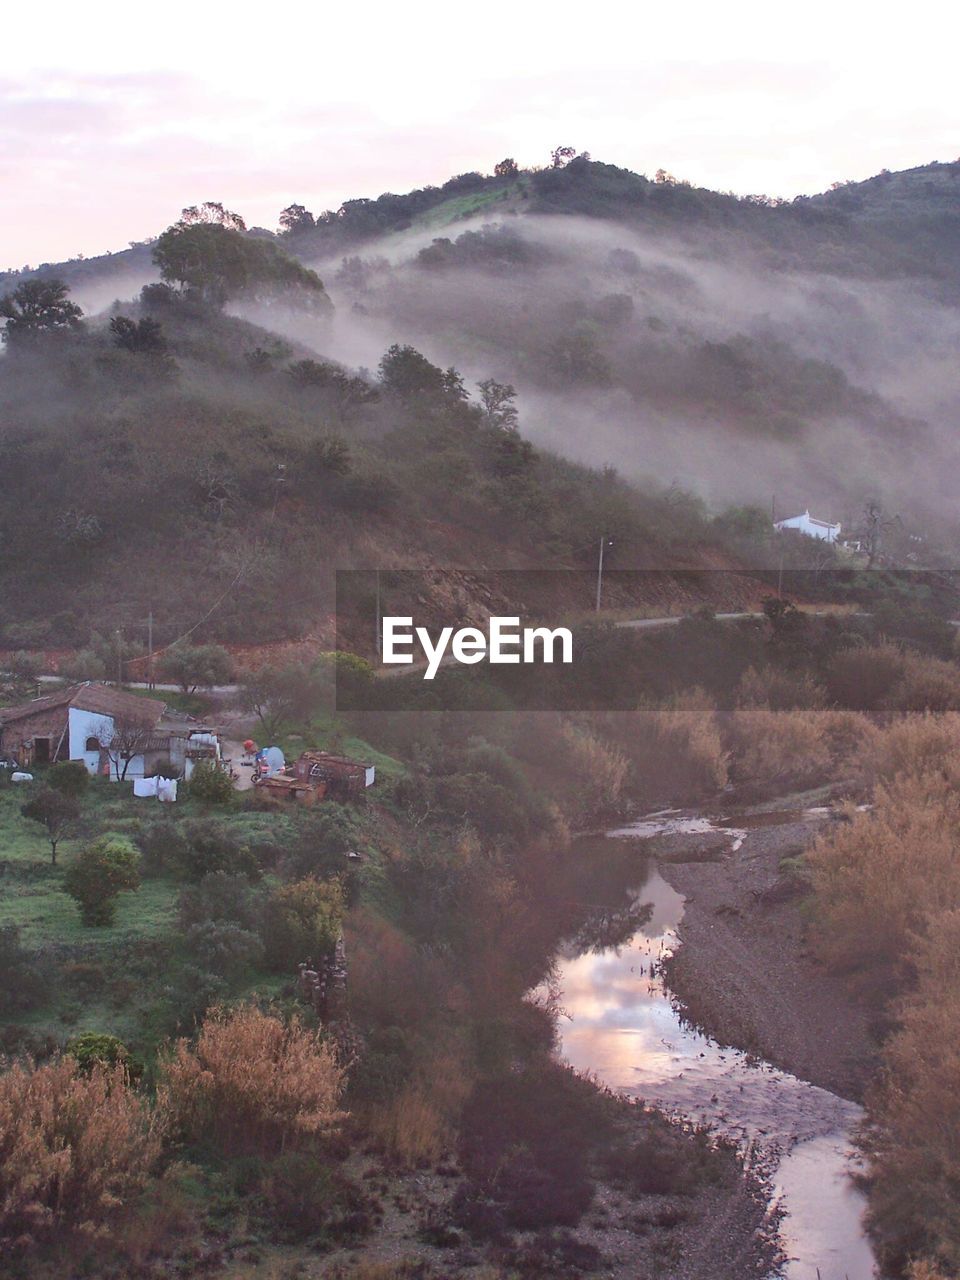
column 745, row 973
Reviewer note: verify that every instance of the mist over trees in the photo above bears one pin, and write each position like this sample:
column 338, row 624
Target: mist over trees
column 553, row 352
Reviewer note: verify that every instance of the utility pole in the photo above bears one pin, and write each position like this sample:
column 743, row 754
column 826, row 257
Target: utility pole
column 604, row 542
column 119, row 658
column 378, row 638
column 150, row 650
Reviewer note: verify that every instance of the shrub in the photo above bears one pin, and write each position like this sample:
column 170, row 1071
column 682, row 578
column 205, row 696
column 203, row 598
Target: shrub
column 74, row 1148
column 926, row 684
column 223, row 948
column 302, row 921
column 795, row 748
column 24, row 984
column 69, row 776
column 299, row 1196
column 163, row 846
column 779, row 690
column 99, row 874
column 252, row 1081
column 914, row 1134
column 411, row 1128
column 93, row 1047
column 786, row 748
column 210, row 783
column 675, row 750
column 913, row 745
column 881, row 876
column 525, row 1143
column 209, row 846
column 321, row 840
column 219, row 897
column 598, row 771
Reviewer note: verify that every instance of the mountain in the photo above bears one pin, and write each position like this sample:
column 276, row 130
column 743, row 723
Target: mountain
column 680, row 358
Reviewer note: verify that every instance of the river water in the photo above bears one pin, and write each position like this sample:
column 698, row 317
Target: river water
column 619, row 1022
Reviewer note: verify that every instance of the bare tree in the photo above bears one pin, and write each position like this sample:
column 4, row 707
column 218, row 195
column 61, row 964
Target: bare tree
column 130, row 738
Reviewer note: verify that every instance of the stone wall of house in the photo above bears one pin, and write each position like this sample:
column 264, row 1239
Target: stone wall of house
column 50, row 723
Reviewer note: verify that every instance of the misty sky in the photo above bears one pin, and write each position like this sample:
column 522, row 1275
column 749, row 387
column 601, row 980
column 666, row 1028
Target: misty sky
column 113, row 116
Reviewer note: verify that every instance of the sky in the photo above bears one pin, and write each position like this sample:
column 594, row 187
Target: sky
column 114, row 116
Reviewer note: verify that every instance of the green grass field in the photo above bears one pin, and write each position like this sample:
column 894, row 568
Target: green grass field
column 460, row 207
column 136, row 978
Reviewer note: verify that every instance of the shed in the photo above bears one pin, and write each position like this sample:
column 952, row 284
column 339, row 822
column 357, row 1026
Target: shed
column 342, row 775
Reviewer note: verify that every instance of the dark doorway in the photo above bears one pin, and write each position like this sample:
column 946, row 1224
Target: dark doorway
column 41, row 751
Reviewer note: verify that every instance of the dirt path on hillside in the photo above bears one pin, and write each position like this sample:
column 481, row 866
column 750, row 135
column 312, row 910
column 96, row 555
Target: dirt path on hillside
column 747, row 976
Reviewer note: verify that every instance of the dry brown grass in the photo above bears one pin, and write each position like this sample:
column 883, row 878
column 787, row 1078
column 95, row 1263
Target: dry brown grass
column 779, row 690
column 927, row 684
column 419, row 1126
column 884, row 677
column 252, row 1081
column 595, row 771
column 916, row 1114
column 74, row 1148
column 888, row 905
column 675, row 750
column 796, row 748
column 880, row 877
column 410, row 1128
column 914, row 744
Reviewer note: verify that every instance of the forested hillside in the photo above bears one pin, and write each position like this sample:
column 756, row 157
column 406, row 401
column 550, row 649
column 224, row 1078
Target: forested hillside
column 492, row 373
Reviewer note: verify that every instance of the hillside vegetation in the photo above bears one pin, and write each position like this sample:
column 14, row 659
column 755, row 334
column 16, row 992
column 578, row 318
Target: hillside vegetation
column 231, row 433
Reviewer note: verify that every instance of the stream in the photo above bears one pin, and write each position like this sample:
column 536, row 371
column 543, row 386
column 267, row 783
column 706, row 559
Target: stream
column 619, row 1022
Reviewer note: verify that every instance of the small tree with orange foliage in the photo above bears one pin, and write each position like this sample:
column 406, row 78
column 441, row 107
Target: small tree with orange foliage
column 75, row 1147
column 252, row 1081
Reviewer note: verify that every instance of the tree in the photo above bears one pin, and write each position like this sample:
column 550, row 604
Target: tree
column 130, row 739
column 561, row 156
column 54, row 810
column 295, row 217
column 36, row 307
column 281, row 695
column 302, row 922
column 99, row 874
column 212, row 213
column 506, row 169
column 216, row 262
column 195, row 667
column 405, row 372
column 140, row 336
column 498, row 404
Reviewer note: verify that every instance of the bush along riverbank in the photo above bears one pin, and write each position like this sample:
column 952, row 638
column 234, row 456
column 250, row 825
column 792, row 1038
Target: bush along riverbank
column 429, row 1128
column 467, row 887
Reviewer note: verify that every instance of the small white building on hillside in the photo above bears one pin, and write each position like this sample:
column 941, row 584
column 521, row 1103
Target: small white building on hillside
column 810, row 527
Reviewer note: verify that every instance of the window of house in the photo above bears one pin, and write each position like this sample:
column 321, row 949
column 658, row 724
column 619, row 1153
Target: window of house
column 93, row 744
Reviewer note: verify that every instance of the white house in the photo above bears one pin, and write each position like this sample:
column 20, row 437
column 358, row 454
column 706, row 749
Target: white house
column 810, row 527
column 112, row 731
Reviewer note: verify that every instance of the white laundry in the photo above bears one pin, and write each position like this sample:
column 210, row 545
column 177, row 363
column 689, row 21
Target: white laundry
column 167, row 790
